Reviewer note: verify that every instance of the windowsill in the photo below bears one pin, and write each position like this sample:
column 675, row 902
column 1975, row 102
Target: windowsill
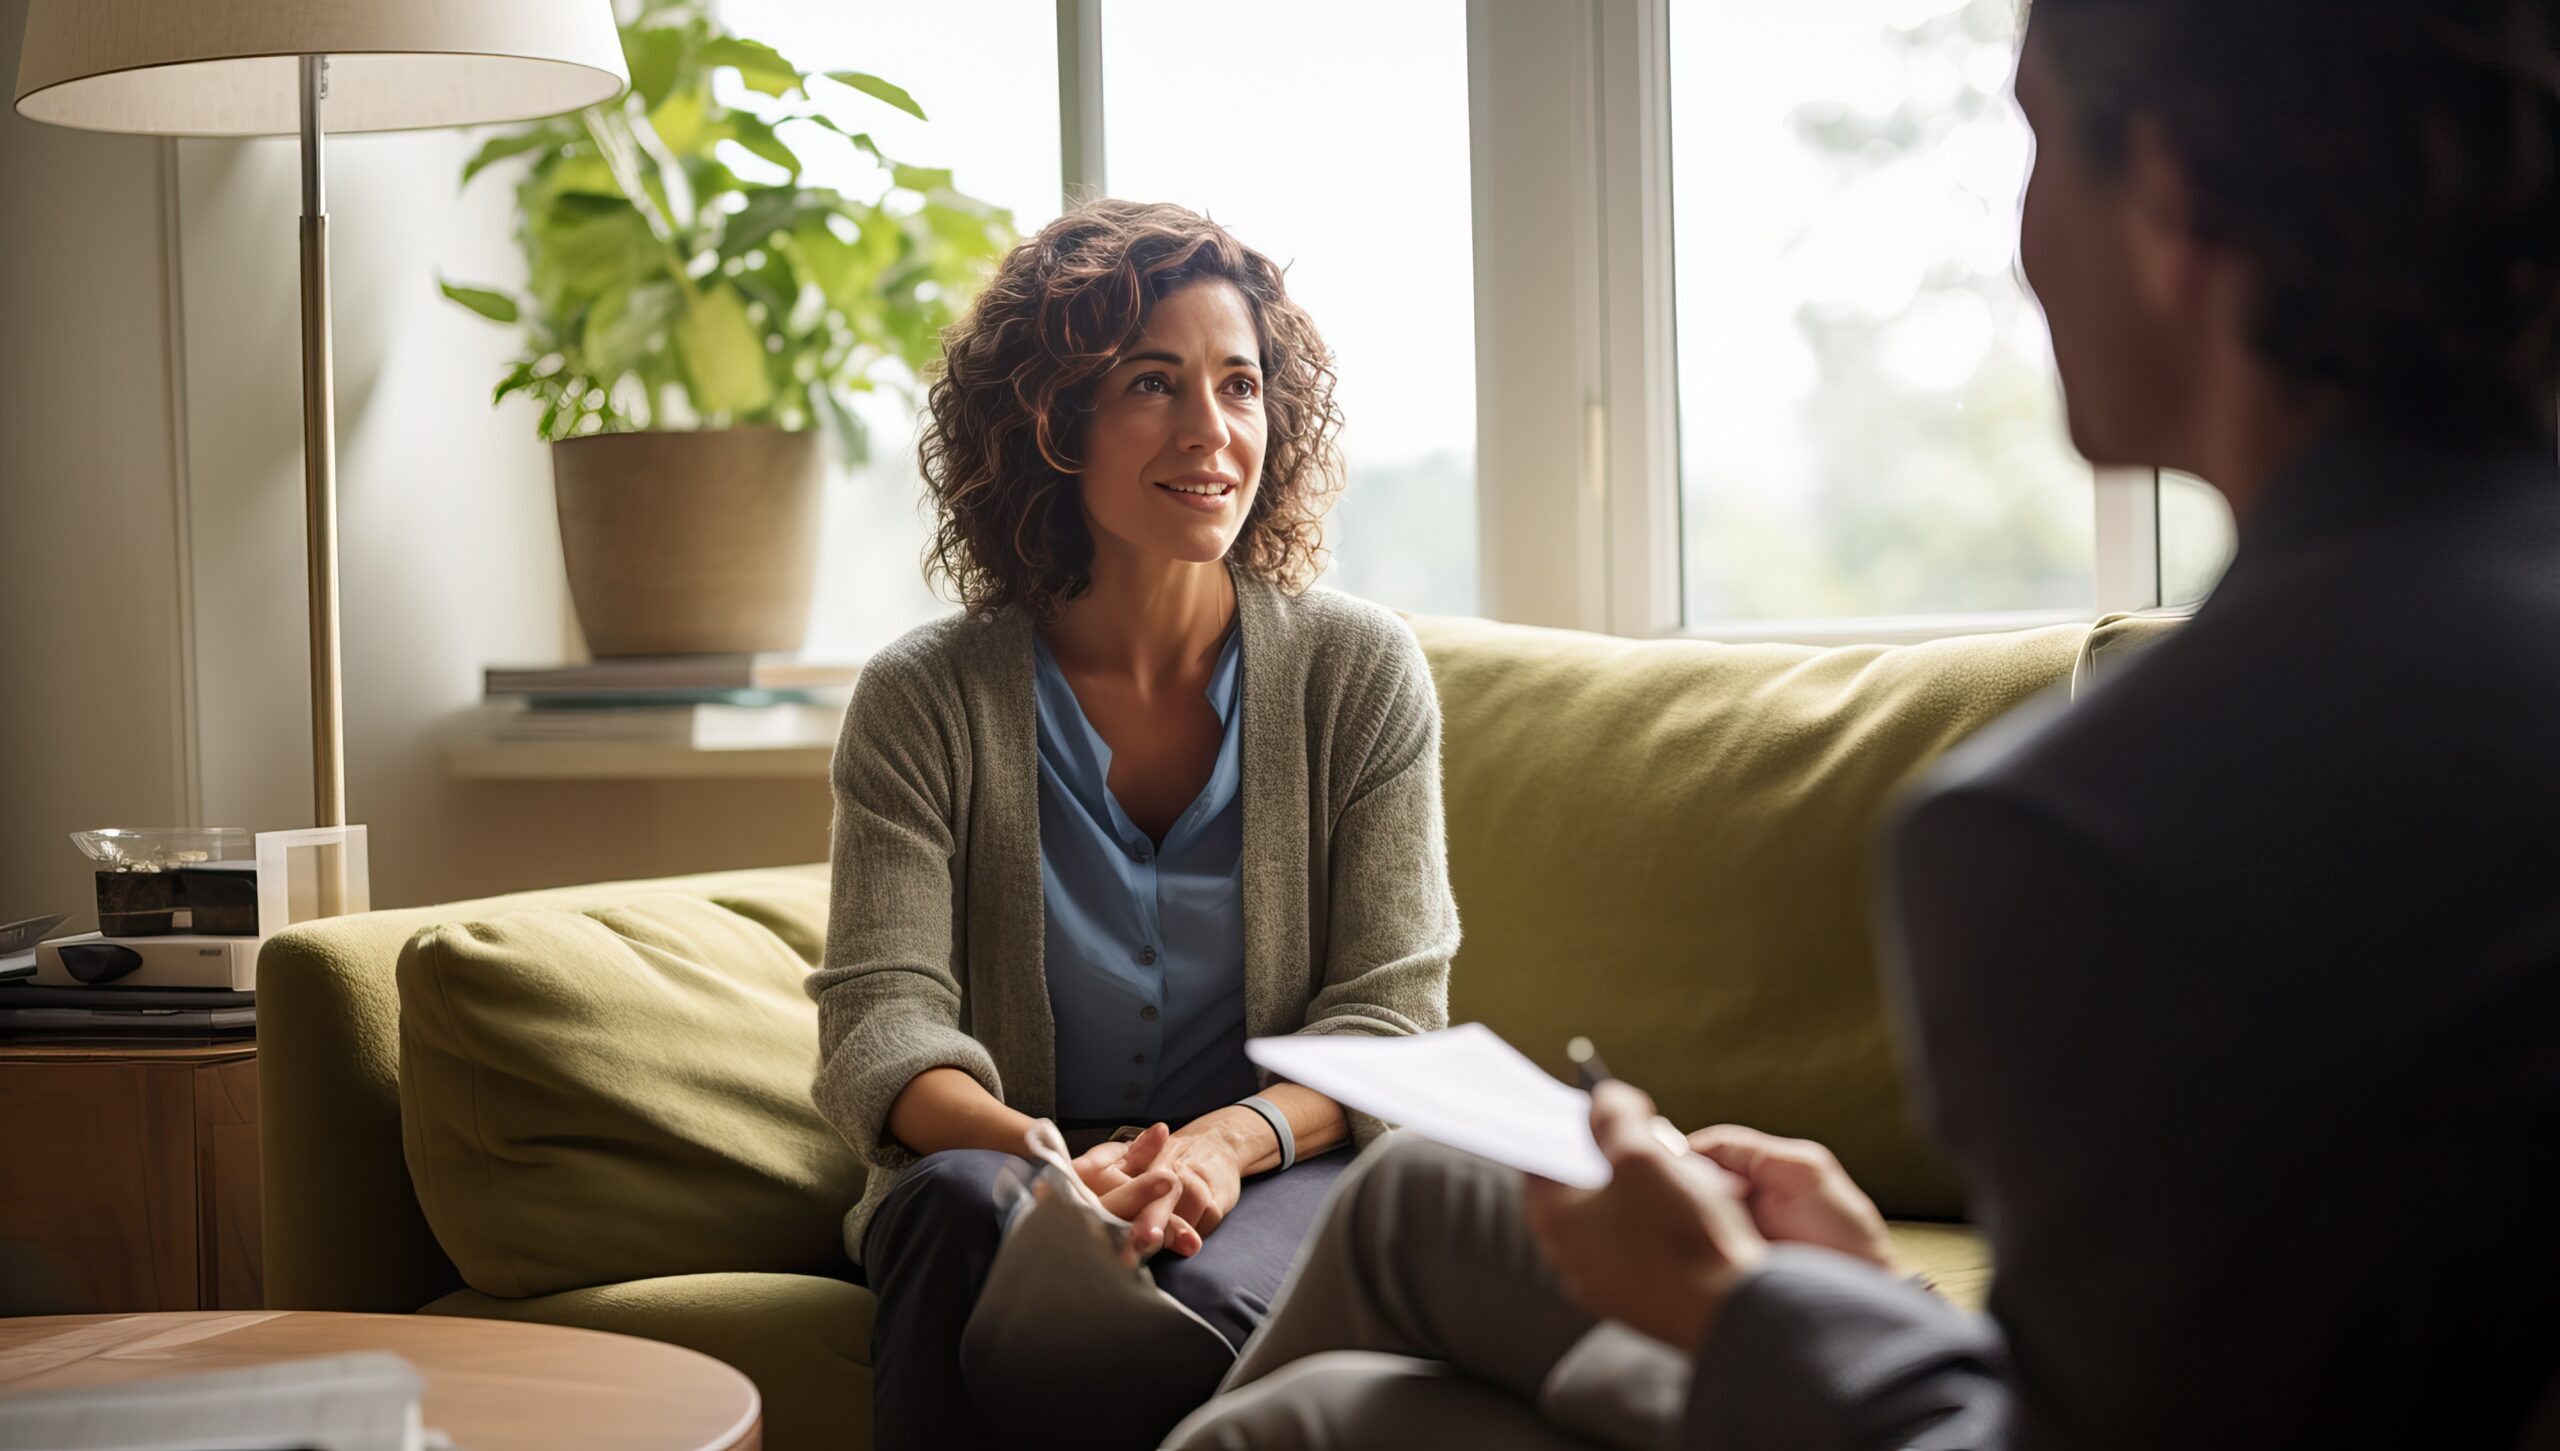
column 1901, row 630
column 799, row 748
column 622, row 761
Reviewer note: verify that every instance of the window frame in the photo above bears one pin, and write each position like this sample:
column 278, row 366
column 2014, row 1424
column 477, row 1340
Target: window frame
column 1578, row 497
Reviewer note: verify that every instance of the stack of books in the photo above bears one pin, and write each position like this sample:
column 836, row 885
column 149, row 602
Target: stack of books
column 71, row 1013
column 702, row 702
column 94, row 1015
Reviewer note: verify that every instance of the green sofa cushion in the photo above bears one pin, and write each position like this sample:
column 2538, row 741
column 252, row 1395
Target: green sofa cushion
column 804, row 1341
column 617, row 1094
column 1669, row 846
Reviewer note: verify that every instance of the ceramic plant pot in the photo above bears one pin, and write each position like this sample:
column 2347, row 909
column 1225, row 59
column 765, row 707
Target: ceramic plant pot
column 690, row 543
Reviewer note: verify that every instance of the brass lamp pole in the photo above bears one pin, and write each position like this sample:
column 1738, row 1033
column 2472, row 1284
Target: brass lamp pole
column 320, row 465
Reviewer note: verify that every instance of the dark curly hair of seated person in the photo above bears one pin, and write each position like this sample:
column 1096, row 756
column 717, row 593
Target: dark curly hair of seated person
column 2390, row 167
column 1002, row 442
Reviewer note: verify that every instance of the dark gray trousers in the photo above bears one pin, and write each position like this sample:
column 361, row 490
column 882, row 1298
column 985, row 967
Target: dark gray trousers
column 1422, row 1315
column 927, row 1252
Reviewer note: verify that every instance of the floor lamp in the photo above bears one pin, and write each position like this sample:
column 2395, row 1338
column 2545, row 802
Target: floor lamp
column 276, row 67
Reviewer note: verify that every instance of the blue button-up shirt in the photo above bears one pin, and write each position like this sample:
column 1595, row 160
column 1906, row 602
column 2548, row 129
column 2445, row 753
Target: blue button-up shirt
column 1145, row 940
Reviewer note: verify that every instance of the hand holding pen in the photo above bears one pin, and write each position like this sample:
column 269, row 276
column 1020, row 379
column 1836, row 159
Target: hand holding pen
column 1795, row 1188
column 1588, row 1067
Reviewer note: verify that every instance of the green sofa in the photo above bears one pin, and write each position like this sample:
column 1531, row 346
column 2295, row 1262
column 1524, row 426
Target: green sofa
column 1666, row 845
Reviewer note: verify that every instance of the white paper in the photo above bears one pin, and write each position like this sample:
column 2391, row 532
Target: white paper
column 368, row 1401
column 1462, row 1086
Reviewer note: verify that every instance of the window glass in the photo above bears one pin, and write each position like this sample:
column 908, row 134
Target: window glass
column 2196, row 539
column 985, row 73
column 1331, row 135
column 1870, row 425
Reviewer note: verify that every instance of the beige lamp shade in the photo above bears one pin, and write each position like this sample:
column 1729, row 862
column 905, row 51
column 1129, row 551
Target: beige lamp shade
column 231, row 67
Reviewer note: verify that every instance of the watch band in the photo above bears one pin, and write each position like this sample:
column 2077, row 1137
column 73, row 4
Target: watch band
column 1279, row 1125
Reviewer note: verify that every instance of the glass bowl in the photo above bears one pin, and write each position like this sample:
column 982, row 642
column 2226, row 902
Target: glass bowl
column 159, row 848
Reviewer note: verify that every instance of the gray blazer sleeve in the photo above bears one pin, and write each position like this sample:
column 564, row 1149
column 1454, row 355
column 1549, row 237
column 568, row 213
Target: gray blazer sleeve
column 1818, row 1352
column 888, row 1003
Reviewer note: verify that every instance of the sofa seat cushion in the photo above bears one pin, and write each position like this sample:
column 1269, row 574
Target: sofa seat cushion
column 804, row 1340
column 620, row 1093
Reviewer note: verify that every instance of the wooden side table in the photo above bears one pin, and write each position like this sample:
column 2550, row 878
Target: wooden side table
column 131, row 1177
column 491, row 1385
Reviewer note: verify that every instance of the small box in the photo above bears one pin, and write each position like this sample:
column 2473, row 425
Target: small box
column 215, row 899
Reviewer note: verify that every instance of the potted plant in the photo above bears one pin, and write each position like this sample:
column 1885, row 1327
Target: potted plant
column 689, row 330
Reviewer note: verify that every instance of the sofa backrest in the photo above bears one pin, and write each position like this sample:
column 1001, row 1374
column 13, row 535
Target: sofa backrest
column 1663, row 844
column 1669, row 846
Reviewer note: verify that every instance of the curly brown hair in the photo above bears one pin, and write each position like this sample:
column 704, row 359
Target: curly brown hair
column 1002, row 444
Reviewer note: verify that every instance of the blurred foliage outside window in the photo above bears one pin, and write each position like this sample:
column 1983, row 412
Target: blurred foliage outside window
column 1364, row 196
column 2196, row 539
column 1870, row 425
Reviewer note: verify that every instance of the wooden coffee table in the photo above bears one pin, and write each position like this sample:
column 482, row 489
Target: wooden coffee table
column 492, row 1385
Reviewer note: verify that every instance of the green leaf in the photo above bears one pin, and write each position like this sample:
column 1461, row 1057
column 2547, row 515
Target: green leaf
column 582, row 245
column 922, row 178
column 861, row 139
column 585, row 175
column 723, row 353
column 871, row 85
column 495, row 306
column 654, row 54
column 829, row 261
column 627, row 324
column 760, row 139
column 518, row 378
column 499, row 148
column 680, row 122
column 774, row 283
column 772, row 209
column 759, row 65
column 851, row 436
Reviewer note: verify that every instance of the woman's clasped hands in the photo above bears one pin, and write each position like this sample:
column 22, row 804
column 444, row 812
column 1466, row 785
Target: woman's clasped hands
column 1172, row 1188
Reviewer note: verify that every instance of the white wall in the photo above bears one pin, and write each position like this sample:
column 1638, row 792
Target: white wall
column 153, row 651
column 92, row 593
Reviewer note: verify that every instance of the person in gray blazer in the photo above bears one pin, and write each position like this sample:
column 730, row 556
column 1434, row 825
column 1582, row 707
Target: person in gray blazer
column 2233, row 989
column 1148, row 793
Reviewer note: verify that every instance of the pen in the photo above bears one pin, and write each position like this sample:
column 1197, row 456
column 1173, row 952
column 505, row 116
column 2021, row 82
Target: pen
column 1593, row 1072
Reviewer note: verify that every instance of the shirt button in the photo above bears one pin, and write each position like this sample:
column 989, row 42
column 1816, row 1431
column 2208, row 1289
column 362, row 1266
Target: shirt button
column 1139, row 1058
column 1142, row 852
column 1146, row 957
column 1147, row 1014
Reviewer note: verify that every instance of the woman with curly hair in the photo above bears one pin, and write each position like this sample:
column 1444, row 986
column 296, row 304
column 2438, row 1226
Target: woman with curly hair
column 1147, row 795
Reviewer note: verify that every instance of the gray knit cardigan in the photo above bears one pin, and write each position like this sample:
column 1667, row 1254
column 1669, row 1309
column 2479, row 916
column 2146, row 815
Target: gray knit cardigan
column 934, row 956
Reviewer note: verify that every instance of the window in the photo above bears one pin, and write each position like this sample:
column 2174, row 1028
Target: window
column 1343, row 157
column 2196, row 539
column 985, row 73
column 1869, row 422
column 1785, row 379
